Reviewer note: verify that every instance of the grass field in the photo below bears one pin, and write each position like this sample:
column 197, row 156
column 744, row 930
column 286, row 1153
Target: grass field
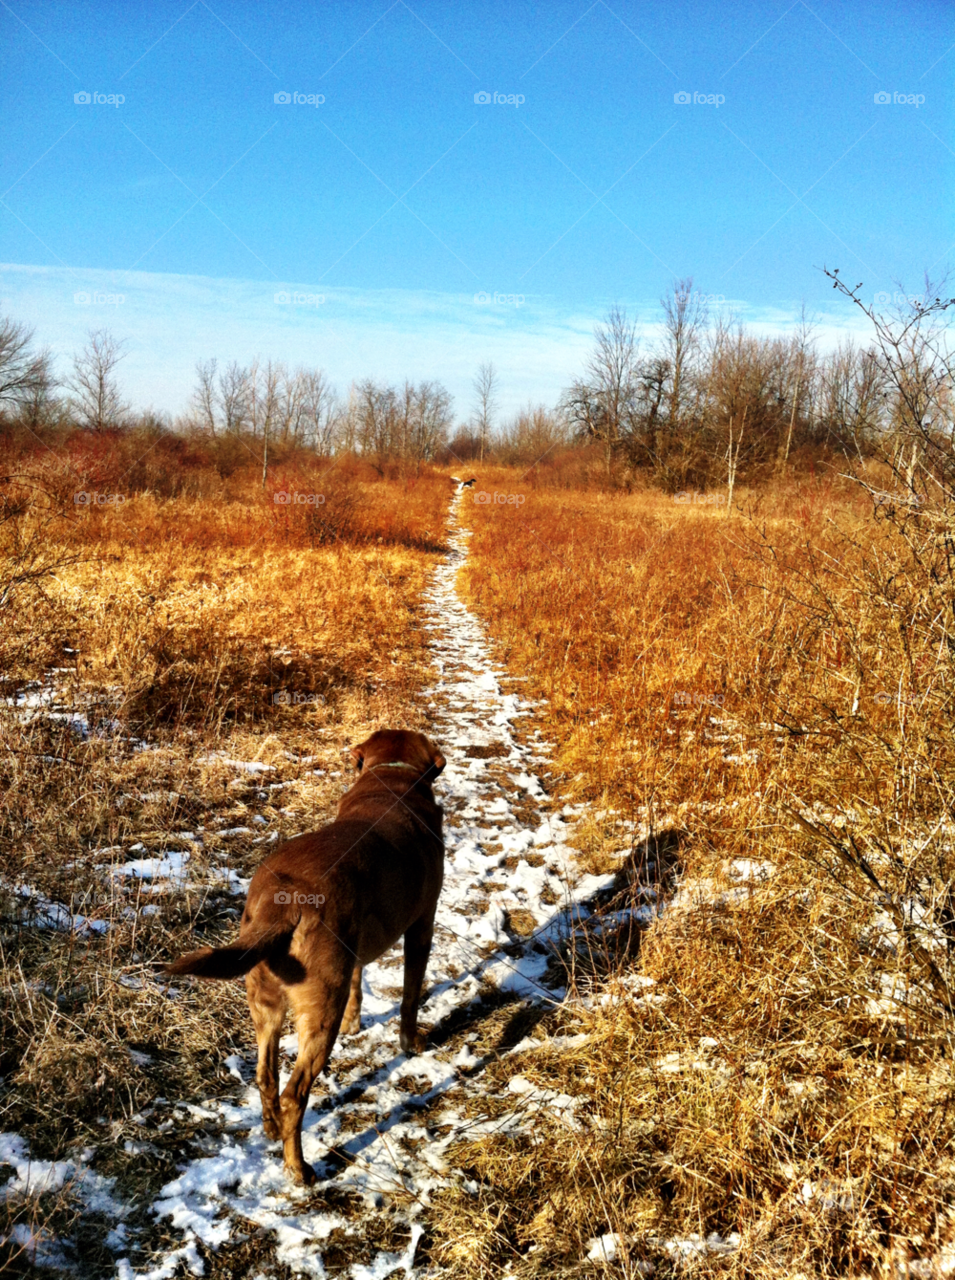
column 204, row 629
column 755, row 706
column 767, row 695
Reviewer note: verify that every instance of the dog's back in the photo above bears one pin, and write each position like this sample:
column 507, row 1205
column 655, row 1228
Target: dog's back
column 365, row 879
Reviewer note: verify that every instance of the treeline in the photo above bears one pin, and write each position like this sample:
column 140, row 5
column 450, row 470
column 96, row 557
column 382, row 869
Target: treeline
column 269, row 402
column 703, row 402
column 709, row 401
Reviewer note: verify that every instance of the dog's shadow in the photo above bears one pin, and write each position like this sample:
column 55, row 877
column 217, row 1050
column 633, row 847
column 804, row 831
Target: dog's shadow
column 652, row 865
column 523, row 1020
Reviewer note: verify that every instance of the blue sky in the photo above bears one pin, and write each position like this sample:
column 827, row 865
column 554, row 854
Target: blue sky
column 389, row 199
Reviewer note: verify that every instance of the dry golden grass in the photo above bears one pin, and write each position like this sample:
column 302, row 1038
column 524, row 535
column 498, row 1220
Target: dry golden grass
column 211, row 630
column 772, row 690
column 771, row 1061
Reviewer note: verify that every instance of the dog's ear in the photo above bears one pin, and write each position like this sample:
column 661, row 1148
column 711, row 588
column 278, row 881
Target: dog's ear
column 437, row 760
column 358, row 755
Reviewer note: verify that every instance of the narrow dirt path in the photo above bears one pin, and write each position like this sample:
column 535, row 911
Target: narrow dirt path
column 380, row 1124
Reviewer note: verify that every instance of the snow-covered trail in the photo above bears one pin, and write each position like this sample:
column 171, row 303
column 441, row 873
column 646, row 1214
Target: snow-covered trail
column 391, row 1118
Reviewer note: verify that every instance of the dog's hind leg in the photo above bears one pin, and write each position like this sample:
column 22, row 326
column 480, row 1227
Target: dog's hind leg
column 417, row 950
column 267, row 1005
column 351, row 1022
column 318, row 1006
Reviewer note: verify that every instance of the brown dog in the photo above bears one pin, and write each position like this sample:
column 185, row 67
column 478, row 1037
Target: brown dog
column 321, row 906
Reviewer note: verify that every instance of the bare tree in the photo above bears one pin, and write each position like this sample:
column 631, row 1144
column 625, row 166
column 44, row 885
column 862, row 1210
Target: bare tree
column 41, row 406
column 600, row 405
column 851, row 399
column 264, row 383
column 647, row 416
column 375, row 417
column 802, row 376
column 684, row 320
column 234, row 397
column 321, row 414
column 263, row 393
column 748, row 374
column 347, row 427
column 95, row 396
column 429, row 423
column 411, row 423
column 732, row 460
column 291, row 408
column 485, row 387
column 25, row 374
column 530, row 436
column 464, row 445
column 310, row 413
column 914, row 362
column 204, row 397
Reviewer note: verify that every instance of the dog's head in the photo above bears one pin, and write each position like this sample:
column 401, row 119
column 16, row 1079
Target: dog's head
column 399, row 746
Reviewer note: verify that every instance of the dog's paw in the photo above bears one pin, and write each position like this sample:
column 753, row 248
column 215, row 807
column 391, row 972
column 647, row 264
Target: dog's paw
column 352, row 1026
column 412, row 1045
column 303, row 1177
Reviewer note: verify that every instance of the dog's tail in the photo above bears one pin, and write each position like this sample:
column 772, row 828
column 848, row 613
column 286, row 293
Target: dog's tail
column 238, row 958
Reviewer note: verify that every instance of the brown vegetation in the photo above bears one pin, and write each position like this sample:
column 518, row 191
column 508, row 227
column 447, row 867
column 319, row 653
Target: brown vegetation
column 177, row 634
column 754, row 694
column 768, row 693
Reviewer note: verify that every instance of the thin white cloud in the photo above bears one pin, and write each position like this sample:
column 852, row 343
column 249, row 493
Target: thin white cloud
column 171, row 321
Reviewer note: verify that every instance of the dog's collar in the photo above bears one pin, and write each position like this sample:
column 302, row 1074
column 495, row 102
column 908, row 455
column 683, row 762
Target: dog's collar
column 393, row 764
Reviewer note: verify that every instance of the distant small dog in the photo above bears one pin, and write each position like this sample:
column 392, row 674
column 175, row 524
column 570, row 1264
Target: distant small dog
column 321, row 906
column 464, row 484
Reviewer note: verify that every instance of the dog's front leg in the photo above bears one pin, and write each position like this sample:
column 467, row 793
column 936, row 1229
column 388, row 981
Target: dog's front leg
column 351, row 1022
column 417, row 950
